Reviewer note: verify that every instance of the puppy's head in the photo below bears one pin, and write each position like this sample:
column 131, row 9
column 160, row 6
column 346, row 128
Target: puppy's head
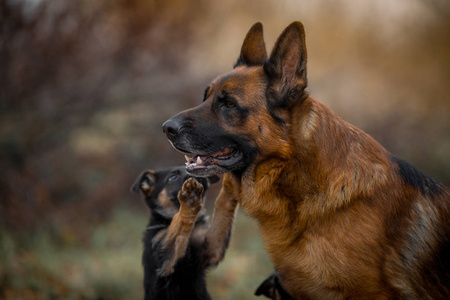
column 161, row 188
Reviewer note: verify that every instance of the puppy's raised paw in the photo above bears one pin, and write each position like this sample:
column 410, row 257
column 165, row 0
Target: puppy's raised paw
column 191, row 194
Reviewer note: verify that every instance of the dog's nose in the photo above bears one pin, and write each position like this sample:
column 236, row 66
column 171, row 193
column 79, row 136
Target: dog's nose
column 172, row 127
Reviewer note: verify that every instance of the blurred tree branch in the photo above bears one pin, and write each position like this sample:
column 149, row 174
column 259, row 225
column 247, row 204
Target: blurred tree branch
column 60, row 65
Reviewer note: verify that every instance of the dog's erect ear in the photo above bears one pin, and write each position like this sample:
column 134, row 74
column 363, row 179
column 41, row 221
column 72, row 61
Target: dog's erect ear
column 253, row 51
column 213, row 179
column 145, row 182
column 286, row 67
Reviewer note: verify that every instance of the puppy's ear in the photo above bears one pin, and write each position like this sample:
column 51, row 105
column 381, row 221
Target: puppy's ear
column 145, row 182
column 286, row 67
column 213, row 179
column 253, row 50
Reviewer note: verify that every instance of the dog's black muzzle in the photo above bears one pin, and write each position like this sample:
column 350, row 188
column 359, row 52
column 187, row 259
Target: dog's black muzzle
column 173, row 127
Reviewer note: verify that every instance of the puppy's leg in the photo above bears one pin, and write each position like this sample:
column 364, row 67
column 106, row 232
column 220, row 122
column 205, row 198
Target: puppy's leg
column 218, row 235
column 177, row 236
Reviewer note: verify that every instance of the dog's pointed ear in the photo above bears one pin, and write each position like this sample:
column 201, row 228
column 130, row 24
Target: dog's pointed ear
column 286, row 67
column 145, row 182
column 253, row 50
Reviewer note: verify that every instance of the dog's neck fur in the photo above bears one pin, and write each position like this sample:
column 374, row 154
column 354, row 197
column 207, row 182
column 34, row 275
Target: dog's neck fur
column 336, row 158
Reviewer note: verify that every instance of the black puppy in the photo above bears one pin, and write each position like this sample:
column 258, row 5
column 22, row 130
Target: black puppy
column 179, row 245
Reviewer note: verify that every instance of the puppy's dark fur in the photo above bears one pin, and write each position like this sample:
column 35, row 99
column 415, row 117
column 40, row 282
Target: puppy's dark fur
column 179, row 245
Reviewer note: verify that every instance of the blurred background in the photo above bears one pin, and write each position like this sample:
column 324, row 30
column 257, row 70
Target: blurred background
column 85, row 86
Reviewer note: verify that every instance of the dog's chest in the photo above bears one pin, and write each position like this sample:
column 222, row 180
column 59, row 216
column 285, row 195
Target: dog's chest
column 318, row 258
column 323, row 265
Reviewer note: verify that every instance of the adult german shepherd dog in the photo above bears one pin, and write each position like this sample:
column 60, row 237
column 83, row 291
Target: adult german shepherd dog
column 340, row 216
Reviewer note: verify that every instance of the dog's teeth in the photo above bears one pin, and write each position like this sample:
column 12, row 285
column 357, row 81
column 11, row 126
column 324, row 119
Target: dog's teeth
column 187, row 158
column 199, row 160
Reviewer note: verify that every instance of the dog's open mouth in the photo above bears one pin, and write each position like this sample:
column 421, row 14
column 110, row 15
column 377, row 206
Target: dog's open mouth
column 201, row 161
column 214, row 163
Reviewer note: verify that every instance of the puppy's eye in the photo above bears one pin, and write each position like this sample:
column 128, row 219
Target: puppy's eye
column 230, row 104
column 173, row 177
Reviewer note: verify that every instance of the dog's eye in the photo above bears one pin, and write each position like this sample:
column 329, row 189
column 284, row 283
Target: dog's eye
column 173, row 177
column 230, row 104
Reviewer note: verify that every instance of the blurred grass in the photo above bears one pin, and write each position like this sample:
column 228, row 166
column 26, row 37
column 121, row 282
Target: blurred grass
column 109, row 265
